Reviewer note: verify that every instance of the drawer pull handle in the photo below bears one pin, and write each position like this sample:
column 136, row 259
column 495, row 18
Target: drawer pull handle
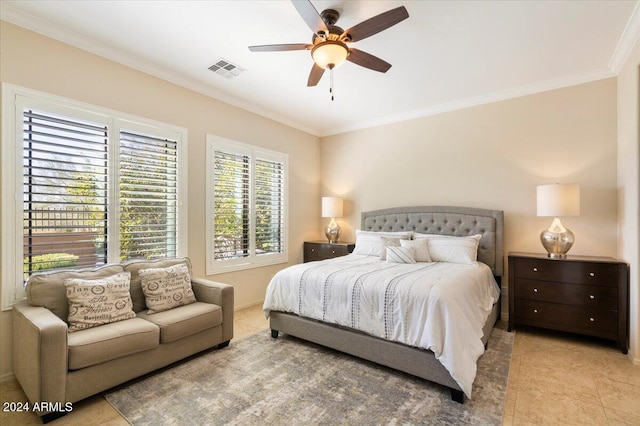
column 592, row 274
column 592, row 319
column 313, row 249
column 592, row 297
column 333, row 251
column 535, row 269
column 535, row 311
column 535, row 290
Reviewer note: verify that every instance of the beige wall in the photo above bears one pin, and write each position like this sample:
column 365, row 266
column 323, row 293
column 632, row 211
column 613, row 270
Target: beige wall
column 629, row 186
column 490, row 156
column 36, row 62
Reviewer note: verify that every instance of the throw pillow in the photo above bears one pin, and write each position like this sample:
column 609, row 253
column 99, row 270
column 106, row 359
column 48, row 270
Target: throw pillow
column 166, row 288
column 400, row 255
column 387, row 242
column 420, row 247
column 99, row 301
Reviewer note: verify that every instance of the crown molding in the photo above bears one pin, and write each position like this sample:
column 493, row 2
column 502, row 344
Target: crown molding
column 32, row 23
column 630, row 36
column 544, row 86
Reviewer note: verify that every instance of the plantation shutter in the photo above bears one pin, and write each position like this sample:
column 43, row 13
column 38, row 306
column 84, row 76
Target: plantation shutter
column 64, row 192
column 232, row 198
column 269, row 205
column 148, row 195
column 246, row 206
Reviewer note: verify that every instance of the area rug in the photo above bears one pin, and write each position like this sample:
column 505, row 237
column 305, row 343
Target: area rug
column 260, row 380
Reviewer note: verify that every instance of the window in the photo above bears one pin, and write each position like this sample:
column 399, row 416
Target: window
column 148, row 187
column 95, row 186
column 64, row 192
column 246, row 206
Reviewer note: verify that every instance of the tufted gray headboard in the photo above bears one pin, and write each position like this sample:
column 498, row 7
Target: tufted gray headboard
column 456, row 221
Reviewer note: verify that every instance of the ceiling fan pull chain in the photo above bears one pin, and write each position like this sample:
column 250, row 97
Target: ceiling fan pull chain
column 331, row 82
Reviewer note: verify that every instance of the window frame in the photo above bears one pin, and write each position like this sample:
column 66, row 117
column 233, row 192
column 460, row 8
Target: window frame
column 214, row 266
column 14, row 100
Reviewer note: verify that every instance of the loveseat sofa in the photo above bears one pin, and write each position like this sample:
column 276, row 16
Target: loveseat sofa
column 56, row 366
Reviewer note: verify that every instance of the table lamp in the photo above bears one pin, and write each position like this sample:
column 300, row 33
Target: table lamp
column 558, row 200
column 332, row 207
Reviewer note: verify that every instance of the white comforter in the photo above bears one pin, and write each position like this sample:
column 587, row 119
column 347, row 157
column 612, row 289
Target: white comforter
column 437, row 306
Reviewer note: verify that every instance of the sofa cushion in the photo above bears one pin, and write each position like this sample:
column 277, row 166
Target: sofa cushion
column 97, row 302
column 166, row 288
column 46, row 289
column 185, row 320
column 110, row 341
column 137, row 296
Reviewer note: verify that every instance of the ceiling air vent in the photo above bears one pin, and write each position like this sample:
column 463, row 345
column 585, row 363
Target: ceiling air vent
column 226, row 69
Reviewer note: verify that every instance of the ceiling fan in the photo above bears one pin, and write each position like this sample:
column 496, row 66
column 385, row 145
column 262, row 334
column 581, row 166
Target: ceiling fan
column 329, row 45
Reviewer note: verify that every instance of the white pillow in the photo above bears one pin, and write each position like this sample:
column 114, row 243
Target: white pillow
column 420, row 248
column 400, row 255
column 368, row 243
column 454, row 249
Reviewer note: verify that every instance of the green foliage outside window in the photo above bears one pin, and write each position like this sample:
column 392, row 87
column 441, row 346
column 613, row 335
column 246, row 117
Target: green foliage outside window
column 45, row 262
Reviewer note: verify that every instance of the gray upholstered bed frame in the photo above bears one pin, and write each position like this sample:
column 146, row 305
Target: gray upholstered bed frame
column 457, row 221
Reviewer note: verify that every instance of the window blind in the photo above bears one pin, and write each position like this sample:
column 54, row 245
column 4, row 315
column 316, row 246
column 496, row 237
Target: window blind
column 148, row 195
column 70, row 171
column 65, row 168
column 246, row 206
column 269, row 205
column 232, row 190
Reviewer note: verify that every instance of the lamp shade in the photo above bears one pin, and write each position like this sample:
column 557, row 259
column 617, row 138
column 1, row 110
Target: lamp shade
column 558, row 200
column 329, row 54
column 332, row 207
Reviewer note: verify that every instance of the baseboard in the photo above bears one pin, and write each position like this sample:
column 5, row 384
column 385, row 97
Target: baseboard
column 7, row 377
column 248, row 305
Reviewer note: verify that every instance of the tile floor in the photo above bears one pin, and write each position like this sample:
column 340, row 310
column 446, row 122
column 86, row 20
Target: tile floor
column 555, row 379
column 563, row 379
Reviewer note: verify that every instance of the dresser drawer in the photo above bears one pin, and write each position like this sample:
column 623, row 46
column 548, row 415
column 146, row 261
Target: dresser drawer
column 320, row 251
column 589, row 273
column 570, row 294
column 592, row 321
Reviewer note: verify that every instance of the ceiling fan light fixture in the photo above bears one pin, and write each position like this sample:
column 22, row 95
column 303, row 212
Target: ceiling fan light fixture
column 329, row 54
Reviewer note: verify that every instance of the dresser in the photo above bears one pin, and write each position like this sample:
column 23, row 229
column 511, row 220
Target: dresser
column 579, row 294
column 321, row 250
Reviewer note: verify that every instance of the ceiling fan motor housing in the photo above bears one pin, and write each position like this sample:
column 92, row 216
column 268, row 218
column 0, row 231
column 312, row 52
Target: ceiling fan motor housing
column 330, row 16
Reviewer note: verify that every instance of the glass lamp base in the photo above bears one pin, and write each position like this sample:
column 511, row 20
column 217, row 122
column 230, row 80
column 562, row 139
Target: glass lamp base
column 332, row 231
column 557, row 240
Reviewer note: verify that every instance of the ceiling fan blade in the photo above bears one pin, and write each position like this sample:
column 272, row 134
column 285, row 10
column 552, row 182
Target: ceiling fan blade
column 367, row 60
column 311, row 16
column 376, row 24
column 315, row 75
column 280, row 47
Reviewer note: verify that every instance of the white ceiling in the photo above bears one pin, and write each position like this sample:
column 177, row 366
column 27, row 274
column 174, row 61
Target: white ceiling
column 447, row 55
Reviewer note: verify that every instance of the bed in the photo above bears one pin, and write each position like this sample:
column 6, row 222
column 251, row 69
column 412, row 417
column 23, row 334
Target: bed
column 385, row 348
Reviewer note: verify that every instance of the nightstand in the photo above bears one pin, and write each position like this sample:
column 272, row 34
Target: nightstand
column 579, row 294
column 321, row 250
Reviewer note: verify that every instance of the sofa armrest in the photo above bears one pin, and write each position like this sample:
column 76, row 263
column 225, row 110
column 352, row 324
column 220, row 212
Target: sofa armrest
column 39, row 345
column 219, row 294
